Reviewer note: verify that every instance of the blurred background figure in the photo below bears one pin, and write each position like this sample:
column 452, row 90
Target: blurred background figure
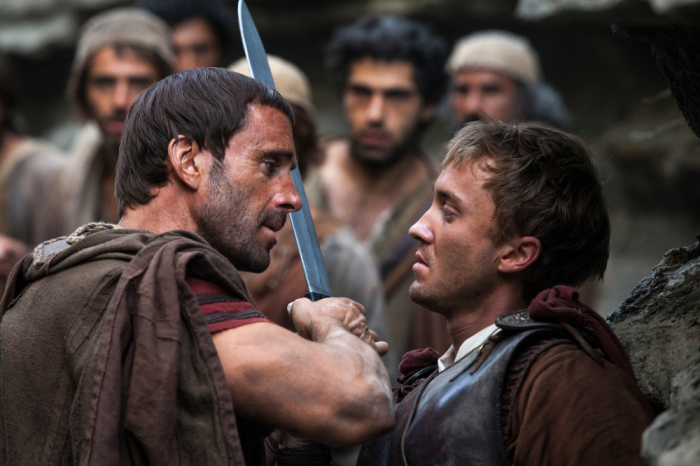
column 351, row 269
column 200, row 30
column 120, row 54
column 377, row 180
column 496, row 75
column 27, row 175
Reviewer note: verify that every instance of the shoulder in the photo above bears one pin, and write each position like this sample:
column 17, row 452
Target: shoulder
column 570, row 408
column 223, row 310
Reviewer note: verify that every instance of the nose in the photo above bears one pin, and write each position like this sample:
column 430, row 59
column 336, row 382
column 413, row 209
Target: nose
column 375, row 110
column 421, row 229
column 288, row 198
column 472, row 103
column 120, row 98
column 186, row 60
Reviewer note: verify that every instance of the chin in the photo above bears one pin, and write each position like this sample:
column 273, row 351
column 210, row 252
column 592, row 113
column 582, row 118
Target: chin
column 423, row 297
column 418, row 295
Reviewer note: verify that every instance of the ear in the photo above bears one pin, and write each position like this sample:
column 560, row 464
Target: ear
column 186, row 160
column 518, row 254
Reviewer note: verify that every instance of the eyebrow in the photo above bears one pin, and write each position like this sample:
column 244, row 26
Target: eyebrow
column 449, row 196
column 282, row 154
column 364, row 87
column 278, row 153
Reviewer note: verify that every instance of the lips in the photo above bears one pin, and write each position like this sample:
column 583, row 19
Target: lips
column 420, row 264
column 274, row 227
column 115, row 125
column 420, row 258
column 374, row 138
column 274, row 220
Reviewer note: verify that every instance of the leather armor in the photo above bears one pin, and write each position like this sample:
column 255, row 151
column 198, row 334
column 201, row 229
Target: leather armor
column 456, row 417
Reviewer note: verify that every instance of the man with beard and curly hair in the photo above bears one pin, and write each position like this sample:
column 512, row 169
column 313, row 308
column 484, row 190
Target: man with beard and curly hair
column 390, row 75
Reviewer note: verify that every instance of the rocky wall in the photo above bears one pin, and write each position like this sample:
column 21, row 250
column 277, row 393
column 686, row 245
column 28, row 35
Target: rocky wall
column 659, row 326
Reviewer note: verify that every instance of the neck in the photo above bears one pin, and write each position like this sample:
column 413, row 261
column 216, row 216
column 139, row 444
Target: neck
column 165, row 212
column 473, row 318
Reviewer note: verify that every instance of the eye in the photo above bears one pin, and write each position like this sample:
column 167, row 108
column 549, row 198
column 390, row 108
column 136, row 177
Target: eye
column 461, row 90
column 359, row 92
column 140, row 83
column 202, row 49
column 103, row 84
column 492, row 89
column 271, row 166
column 398, row 95
column 447, row 213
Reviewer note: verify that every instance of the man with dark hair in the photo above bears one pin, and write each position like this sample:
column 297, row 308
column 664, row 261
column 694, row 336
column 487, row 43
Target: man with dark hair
column 28, row 170
column 351, row 269
column 534, row 376
column 352, row 272
column 120, row 54
column 496, row 75
column 140, row 344
column 200, row 29
column 390, row 73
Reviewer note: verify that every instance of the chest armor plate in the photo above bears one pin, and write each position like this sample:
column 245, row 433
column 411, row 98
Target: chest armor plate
column 456, row 416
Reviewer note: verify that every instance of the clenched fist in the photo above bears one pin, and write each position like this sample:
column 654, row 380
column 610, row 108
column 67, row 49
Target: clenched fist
column 319, row 320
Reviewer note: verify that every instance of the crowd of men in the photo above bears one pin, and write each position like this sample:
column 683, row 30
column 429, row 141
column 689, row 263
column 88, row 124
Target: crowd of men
column 153, row 310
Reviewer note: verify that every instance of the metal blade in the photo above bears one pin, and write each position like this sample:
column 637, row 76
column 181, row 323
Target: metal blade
column 304, row 230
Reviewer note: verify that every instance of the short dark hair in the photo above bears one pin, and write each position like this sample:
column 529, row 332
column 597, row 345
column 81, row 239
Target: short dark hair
column 391, row 38
column 208, row 105
column 213, row 12
column 544, row 183
column 162, row 68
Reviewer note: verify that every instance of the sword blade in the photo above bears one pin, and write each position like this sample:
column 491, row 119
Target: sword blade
column 304, row 231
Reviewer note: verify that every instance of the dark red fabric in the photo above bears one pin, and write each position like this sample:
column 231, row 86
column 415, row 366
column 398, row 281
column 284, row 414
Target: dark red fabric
column 235, row 314
column 561, row 303
column 415, row 360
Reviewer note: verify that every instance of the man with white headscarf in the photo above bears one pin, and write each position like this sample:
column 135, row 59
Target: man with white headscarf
column 496, row 75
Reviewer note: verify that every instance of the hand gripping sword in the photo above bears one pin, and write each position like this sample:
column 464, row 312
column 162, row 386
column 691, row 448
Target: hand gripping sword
column 302, row 224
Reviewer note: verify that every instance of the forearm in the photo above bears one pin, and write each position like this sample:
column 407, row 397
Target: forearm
column 333, row 390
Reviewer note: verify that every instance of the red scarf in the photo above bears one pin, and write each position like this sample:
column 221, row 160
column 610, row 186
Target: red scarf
column 561, row 304
column 558, row 304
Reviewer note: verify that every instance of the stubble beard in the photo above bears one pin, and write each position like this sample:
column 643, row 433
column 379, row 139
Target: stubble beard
column 229, row 224
column 450, row 299
column 378, row 162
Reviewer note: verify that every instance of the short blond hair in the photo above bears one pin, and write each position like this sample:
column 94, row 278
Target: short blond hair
column 544, row 183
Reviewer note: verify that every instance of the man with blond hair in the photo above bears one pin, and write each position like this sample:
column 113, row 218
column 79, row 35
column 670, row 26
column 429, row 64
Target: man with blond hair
column 534, row 376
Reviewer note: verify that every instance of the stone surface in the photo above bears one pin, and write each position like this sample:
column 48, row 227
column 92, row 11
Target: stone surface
column 610, row 10
column 659, row 325
column 674, row 437
column 32, row 27
column 677, row 55
column 656, row 158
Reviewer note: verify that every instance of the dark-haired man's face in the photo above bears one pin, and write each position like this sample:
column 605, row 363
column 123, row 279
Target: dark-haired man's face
column 196, row 44
column 483, row 95
column 114, row 80
column 384, row 109
column 457, row 258
column 247, row 199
